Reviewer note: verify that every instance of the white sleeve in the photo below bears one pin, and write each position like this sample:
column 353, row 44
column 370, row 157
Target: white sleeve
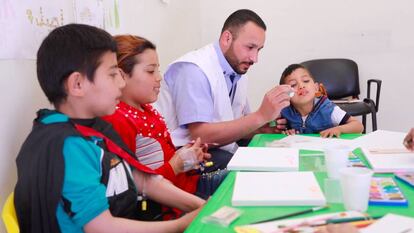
column 337, row 115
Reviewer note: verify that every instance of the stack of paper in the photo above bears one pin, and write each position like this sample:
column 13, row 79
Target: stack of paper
column 277, row 189
column 264, row 159
column 311, row 143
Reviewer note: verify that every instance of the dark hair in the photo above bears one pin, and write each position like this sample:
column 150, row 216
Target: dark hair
column 128, row 47
column 289, row 70
column 239, row 18
column 67, row 49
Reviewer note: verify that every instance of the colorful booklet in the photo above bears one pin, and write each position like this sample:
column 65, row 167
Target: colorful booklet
column 407, row 177
column 355, row 161
column 385, row 191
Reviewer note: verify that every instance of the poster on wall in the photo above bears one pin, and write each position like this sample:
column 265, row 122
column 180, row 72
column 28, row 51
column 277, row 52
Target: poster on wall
column 25, row 23
column 111, row 15
column 99, row 13
column 89, row 12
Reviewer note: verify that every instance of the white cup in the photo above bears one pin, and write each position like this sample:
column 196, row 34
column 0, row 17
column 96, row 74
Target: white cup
column 335, row 159
column 355, row 184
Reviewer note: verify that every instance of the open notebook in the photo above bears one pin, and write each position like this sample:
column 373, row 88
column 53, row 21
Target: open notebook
column 264, row 159
column 385, row 151
column 277, row 189
column 388, row 161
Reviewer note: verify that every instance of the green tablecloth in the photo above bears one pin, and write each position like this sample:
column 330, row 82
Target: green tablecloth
column 223, row 195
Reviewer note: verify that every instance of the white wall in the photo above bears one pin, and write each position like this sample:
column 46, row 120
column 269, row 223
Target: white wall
column 377, row 34
column 173, row 27
column 20, row 98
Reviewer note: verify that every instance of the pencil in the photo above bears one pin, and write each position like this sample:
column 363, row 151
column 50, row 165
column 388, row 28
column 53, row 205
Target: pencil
column 292, row 214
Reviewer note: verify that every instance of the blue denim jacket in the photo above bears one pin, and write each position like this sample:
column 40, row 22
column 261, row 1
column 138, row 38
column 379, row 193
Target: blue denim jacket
column 318, row 120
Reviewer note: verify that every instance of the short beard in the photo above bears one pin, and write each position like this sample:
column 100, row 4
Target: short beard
column 233, row 61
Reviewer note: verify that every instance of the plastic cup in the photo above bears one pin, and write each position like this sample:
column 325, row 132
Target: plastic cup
column 355, row 184
column 335, row 159
column 333, row 191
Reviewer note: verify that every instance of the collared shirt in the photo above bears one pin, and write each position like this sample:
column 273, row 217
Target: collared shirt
column 227, row 69
column 190, row 89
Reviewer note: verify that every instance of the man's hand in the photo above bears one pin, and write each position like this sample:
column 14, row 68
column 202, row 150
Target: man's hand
column 273, row 102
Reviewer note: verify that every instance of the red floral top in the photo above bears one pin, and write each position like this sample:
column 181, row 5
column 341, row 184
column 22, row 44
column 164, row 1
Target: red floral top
column 146, row 134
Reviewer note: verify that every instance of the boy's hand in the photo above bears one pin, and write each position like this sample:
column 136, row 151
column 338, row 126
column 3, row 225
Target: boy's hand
column 278, row 126
column 409, row 140
column 290, row 132
column 329, row 133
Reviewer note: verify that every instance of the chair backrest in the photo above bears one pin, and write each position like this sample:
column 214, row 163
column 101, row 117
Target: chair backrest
column 9, row 215
column 339, row 76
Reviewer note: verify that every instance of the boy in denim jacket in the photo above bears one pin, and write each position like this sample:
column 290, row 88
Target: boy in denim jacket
column 308, row 113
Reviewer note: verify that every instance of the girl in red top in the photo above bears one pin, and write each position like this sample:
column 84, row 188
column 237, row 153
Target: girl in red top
column 141, row 127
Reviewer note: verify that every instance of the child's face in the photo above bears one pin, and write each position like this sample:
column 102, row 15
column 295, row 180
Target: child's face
column 143, row 84
column 104, row 92
column 303, row 85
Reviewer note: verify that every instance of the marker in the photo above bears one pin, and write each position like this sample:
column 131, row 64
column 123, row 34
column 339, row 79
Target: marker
column 205, row 164
column 205, row 144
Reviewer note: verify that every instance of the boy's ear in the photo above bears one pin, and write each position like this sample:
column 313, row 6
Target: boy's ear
column 75, row 84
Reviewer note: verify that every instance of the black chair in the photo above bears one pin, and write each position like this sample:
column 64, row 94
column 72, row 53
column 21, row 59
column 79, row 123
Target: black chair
column 341, row 80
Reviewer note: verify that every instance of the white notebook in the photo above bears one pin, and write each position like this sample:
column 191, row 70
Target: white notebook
column 381, row 139
column 277, row 189
column 264, row 159
column 391, row 223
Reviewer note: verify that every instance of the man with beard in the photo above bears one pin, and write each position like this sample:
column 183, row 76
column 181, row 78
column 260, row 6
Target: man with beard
column 206, row 90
